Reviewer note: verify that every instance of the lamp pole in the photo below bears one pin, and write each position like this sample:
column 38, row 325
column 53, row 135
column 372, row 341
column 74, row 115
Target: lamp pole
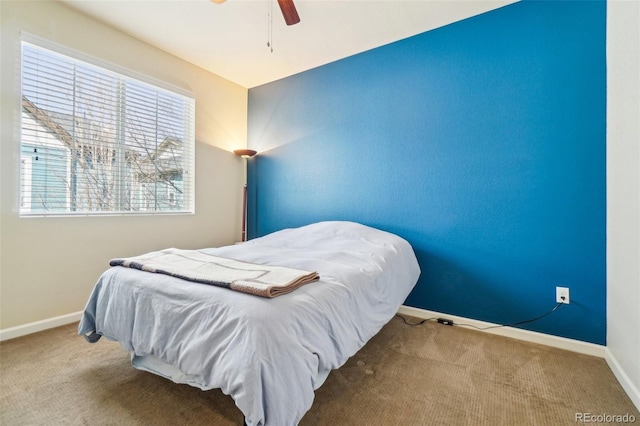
column 245, row 154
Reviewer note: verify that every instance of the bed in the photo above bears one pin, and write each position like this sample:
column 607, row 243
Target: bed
column 268, row 354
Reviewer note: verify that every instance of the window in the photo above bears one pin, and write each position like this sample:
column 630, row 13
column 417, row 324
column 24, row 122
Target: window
column 98, row 142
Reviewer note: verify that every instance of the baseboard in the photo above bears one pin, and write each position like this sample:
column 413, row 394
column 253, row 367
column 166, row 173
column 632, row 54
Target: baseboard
column 516, row 333
column 34, row 327
column 627, row 384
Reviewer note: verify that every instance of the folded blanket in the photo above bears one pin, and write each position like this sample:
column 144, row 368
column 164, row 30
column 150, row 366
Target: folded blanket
column 196, row 266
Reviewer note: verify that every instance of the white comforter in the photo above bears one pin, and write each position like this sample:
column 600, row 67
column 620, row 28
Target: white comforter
column 268, row 354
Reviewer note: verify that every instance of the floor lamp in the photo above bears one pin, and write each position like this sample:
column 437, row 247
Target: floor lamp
column 245, row 154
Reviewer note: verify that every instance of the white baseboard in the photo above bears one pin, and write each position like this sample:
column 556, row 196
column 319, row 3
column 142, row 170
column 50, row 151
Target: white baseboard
column 526, row 335
column 34, row 327
column 627, row 384
column 516, row 333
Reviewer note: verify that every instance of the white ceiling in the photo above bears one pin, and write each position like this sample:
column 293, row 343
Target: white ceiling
column 230, row 39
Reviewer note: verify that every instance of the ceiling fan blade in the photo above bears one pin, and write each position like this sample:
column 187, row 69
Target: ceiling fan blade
column 289, row 12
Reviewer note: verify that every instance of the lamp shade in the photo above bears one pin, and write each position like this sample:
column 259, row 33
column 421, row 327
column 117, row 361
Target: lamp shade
column 245, row 153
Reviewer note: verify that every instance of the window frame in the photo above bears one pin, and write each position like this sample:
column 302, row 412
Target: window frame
column 124, row 74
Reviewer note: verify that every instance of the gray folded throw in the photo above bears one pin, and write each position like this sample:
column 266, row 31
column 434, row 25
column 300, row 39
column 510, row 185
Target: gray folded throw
column 200, row 267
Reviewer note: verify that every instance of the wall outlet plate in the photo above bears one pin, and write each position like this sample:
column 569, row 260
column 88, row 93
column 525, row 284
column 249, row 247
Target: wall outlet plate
column 562, row 292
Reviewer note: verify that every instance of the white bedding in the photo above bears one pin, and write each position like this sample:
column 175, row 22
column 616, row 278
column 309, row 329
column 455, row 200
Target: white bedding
column 268, row 354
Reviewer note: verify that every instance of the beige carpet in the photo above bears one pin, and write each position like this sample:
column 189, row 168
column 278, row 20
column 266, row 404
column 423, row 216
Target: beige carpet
column 424, row 375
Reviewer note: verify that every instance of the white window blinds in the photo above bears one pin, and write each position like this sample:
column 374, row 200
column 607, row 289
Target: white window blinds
column 98, row 142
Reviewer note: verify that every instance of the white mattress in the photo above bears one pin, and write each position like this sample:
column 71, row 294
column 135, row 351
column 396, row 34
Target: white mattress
column 268, row 354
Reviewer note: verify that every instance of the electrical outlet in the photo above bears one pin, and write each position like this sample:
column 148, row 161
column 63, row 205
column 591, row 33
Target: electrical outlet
column 562, row 295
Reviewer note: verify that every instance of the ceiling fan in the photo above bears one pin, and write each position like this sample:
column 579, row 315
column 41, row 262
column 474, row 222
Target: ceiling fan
column 287, row 7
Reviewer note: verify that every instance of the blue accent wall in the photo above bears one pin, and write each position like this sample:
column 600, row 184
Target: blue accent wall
column 482, row 143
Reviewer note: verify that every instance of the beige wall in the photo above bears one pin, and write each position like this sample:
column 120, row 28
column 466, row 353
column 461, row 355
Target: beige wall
column 623, row 194
column 48, row 266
